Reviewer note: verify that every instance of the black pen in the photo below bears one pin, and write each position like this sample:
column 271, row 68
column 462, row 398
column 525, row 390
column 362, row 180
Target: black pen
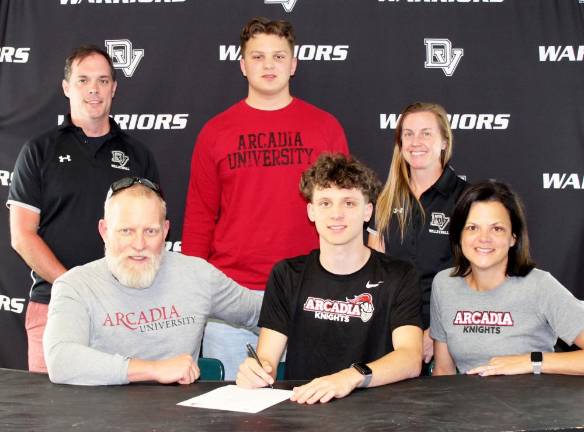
column 252, row 353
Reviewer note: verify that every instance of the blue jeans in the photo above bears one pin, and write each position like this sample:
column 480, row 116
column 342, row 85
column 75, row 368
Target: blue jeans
column 227, row 343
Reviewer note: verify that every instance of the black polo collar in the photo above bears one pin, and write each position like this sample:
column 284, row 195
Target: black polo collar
column 68, row 125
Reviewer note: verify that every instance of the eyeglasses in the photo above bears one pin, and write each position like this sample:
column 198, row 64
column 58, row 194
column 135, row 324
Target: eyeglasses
column 127, row 182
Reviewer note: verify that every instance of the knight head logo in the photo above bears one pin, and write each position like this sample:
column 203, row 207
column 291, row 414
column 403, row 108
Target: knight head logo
column 365, row 302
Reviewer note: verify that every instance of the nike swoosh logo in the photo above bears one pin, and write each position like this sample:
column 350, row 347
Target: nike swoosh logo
column 373, row 285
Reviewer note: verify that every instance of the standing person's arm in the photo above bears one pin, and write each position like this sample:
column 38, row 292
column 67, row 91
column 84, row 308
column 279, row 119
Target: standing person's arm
column 203, row 200
column 25, row 204
column 337, row 138
column 30, row 246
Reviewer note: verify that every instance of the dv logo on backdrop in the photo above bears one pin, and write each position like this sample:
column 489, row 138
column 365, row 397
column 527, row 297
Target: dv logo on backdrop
column 173, row 246
column 124, row 56
column 288, row 5
column 5, row 178
column 563, row 181
column 14, row 55
column 441, row 55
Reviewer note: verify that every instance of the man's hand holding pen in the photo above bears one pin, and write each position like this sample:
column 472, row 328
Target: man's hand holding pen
column 253, row 373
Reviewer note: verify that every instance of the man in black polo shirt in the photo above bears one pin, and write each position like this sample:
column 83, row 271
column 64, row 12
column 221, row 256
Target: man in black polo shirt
column 58, row 179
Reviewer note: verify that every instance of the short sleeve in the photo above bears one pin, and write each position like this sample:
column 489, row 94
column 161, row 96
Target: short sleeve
column 407, row 306
column 276, row 313
column 563, row 311
column 25, row 188
column 338, row 140
column 436, row 327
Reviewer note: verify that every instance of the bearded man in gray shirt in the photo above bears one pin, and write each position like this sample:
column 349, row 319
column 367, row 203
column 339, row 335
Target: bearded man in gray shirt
column 139, row 313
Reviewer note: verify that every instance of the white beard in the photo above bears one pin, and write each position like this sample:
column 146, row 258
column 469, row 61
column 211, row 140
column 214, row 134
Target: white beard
column 130, row 276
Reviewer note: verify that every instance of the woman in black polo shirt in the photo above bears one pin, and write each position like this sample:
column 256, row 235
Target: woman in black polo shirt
column 413, row 211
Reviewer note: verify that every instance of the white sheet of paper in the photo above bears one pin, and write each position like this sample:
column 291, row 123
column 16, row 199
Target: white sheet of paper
column 234, row 398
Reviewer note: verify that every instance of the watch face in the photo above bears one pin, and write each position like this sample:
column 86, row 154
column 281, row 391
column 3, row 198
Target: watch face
column 362, row 368
column 536, row 357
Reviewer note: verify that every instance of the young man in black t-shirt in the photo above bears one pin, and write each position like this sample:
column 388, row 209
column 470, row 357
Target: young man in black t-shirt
column 350, row 316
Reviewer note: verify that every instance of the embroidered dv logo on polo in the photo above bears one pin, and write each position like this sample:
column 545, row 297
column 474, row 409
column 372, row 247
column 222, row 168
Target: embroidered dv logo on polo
column 440, row 221
column 66, row 158
column 120, row 160
column 441, row 55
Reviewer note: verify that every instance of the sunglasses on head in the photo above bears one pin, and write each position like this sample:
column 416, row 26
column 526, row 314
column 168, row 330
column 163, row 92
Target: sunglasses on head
column 127, row 182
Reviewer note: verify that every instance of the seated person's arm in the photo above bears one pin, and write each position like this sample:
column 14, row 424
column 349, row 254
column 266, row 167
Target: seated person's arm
column 231, row 302
column 402, row 363
column 71, row 360
column 271, row 345
column 181, row 369
column 565, row 315
column 565, row 363
column 443, row 362
column 25, row 240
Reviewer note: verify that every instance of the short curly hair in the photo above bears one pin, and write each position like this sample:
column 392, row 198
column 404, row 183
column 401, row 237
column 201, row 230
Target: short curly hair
column 343, row 172
column 262, row 25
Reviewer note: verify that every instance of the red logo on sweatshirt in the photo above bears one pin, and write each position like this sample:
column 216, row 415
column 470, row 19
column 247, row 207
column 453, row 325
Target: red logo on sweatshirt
column 133, row 320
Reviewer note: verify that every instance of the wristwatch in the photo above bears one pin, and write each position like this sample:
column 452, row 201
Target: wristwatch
column 364, row 370
column 536, row 361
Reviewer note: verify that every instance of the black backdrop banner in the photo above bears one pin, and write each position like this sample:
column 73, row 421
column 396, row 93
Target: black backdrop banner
column 509, row 72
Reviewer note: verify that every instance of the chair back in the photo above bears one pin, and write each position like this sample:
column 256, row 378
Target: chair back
column 211, row 369
column 281, row 371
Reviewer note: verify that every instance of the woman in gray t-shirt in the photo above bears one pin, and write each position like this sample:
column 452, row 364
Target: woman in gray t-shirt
column 494, row 313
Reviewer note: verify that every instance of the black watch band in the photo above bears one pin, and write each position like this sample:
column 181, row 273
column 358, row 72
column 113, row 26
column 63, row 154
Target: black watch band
column 536, row 361
column 364, row 370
